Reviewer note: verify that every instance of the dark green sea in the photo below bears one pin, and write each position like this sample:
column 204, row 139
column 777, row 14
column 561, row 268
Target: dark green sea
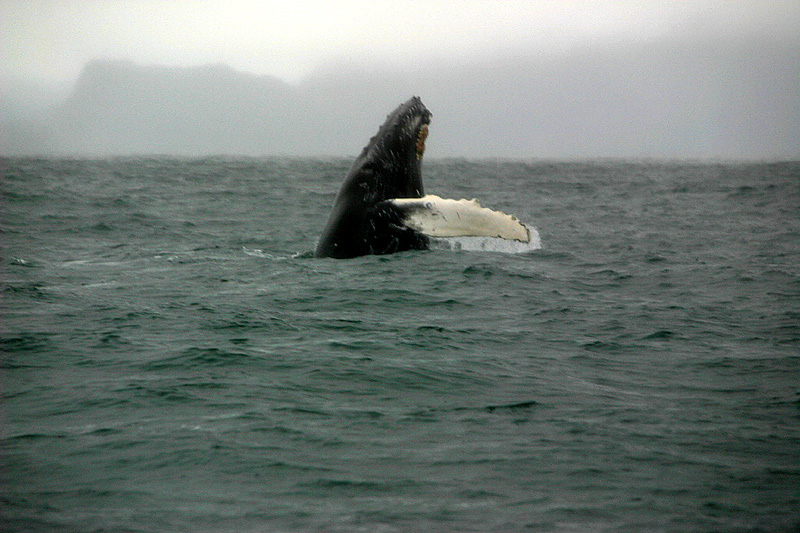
column 174, row 358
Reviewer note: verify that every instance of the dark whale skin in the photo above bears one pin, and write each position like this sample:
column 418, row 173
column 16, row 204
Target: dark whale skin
column 362, row 222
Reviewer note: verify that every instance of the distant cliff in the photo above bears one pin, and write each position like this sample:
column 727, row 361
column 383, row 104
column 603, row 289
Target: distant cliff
column 122, row 107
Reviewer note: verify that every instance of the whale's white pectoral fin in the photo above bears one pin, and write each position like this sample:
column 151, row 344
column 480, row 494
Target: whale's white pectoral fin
column 444, row 217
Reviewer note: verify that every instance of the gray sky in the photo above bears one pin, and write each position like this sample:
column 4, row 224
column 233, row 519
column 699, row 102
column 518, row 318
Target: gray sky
column 662, row 78
column 49, row 42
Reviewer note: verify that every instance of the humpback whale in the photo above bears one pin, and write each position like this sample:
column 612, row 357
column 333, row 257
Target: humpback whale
column 381, row 207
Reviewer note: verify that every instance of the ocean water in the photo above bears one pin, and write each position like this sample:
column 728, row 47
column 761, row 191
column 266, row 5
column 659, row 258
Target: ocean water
column 174, row 358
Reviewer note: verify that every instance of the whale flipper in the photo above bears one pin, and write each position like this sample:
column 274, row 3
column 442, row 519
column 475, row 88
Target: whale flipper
column 443, row 217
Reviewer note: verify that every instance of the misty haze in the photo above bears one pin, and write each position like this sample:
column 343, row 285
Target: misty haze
column 683, row 100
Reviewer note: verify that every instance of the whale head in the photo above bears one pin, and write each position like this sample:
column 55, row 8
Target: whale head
column 393, row 156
